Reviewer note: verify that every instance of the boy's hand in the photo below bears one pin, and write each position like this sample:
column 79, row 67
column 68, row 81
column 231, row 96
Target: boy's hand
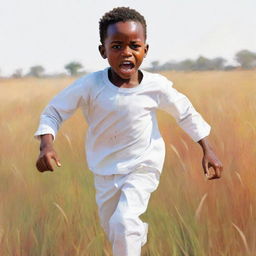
column 47, row 153
column 43, row 162
column 211, row 165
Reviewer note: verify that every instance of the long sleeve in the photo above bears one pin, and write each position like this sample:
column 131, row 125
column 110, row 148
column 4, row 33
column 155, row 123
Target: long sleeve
column 179, row 106
column 61, row 107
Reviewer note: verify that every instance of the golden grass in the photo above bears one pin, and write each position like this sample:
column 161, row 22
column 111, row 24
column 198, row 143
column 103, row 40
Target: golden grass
column 55, row 213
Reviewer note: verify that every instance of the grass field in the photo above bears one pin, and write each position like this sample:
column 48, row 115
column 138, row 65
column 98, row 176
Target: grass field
column 55, row 214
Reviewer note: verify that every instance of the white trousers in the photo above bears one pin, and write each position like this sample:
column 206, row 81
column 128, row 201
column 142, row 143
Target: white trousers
column 121, row 199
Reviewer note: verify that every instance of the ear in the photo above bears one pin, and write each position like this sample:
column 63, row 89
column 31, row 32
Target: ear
column 102, row 51
column 146, row 50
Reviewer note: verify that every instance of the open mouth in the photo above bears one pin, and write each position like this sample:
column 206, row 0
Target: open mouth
column 126, row 66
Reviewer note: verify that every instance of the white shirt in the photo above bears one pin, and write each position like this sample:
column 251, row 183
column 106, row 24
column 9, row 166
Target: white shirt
column 122, row 126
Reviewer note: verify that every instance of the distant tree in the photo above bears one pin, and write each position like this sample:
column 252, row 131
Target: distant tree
column 186, row 65
column 154, row 65
column 246, row 59
column 169, row 65
column 36, row 71
column 73, row 68
column 230, row 67
column 17, row 73
column 218, row 63
column 202, row 63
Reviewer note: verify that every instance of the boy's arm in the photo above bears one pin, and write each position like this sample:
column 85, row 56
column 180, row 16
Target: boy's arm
column 47, row 153
column 180, row 107
column 61, row 107
column 210, row 160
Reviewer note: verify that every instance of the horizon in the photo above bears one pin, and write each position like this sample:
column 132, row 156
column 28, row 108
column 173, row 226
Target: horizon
column 53, row 34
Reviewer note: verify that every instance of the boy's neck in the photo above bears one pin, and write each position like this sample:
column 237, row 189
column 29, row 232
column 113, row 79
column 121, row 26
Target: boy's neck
column 133, row 81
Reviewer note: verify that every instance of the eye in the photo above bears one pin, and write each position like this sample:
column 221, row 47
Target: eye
column 116, row 46
column 135, row 46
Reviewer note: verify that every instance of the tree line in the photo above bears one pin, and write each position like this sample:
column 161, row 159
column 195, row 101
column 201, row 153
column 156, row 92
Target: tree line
column 73, row 68
column 246, row 60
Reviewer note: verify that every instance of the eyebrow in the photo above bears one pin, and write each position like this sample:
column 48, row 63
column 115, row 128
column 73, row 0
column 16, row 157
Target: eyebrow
column 136, row 41
column 116, row 42
column 120, row 42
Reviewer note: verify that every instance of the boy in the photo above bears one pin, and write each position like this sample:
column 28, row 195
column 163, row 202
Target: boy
column 124, row 148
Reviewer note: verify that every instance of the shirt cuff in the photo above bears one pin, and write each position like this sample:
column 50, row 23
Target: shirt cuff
column 44, row 129
column 202, row 133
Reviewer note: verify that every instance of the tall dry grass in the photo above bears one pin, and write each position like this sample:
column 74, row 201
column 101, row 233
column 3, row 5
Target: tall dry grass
column 53, row 214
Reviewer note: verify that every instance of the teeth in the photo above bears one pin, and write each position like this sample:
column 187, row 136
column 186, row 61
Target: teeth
column 126, row 62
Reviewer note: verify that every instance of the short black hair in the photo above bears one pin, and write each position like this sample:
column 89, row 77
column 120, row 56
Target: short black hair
column 120, row 14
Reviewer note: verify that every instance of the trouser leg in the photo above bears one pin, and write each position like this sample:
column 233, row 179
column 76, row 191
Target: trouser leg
column 107, row 197
column 126, row 201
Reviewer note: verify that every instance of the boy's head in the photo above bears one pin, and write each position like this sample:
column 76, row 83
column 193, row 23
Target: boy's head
column 123, row 41
column 120, row 14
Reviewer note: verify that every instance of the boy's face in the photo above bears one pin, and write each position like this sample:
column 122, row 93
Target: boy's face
column 125, row 48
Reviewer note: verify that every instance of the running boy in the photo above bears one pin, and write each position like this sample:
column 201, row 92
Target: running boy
column 124, row 148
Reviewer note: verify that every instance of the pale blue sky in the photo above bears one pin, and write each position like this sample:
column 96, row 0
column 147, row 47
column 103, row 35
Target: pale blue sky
column 54, row 32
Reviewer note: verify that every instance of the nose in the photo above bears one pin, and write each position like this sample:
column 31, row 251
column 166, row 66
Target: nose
column 126, row 51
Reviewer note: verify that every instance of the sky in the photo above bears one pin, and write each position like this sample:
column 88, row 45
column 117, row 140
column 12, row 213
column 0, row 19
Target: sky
column 52, row 33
